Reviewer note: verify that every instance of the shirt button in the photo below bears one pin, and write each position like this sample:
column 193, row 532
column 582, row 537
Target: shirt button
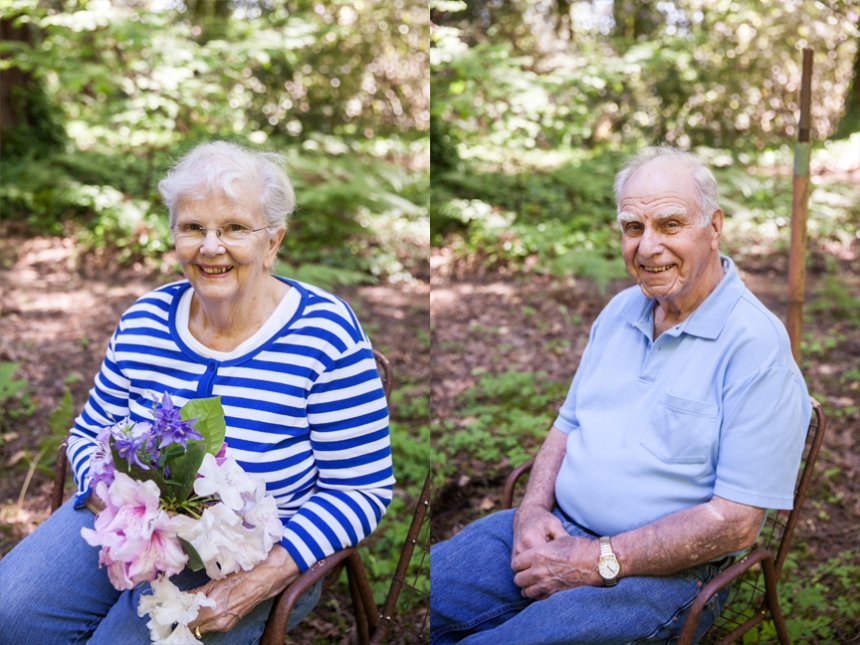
column 211, row 367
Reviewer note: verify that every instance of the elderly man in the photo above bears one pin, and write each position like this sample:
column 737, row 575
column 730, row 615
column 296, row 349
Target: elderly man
column 684, row 423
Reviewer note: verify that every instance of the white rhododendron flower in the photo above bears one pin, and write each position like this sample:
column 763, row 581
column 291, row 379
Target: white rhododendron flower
column 218, row 539
column 166, row 606
column 263, row 516
column 228, row 481
column 180, row 636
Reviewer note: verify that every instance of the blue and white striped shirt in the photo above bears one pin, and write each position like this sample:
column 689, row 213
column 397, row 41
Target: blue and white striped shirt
column 305, row 409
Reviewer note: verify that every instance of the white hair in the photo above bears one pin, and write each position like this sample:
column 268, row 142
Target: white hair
column 214, row 167
column 703, row 178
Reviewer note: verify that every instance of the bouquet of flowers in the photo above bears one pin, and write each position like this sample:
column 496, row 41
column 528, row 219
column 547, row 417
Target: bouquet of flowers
column 174, row 499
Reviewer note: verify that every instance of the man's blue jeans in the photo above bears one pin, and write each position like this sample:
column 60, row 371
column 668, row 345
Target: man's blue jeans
column 52, row 592
column 474, row 601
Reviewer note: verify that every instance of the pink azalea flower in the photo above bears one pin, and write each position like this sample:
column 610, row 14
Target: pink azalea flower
column 221, row 457
column 137, row 538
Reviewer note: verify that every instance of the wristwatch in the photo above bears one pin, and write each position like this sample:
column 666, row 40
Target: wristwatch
column 608, row 566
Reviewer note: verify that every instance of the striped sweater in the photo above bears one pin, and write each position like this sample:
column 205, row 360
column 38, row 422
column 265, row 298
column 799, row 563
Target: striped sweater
column 305, row 410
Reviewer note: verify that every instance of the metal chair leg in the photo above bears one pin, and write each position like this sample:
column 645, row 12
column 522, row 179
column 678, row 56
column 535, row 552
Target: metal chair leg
column 772, row 601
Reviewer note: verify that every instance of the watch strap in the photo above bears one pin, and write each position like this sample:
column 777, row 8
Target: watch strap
column 605, row 547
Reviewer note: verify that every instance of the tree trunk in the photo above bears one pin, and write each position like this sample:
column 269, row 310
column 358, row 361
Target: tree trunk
column 13, row 78
column 850, row 121
column 28, row 126
column 634, row 20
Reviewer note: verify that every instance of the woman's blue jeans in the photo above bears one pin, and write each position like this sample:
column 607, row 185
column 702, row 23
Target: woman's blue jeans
column 474, row 601
column 53, row 592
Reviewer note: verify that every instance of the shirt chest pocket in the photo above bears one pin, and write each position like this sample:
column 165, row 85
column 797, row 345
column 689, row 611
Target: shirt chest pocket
column 681, row 431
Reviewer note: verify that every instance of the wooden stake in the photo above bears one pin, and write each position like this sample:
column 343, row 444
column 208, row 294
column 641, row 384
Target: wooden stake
column 800, row 211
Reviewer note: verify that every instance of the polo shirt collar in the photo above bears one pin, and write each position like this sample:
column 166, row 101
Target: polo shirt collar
column 709, row 318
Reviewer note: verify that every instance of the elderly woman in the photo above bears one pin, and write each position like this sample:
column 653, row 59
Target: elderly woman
column 304, row 407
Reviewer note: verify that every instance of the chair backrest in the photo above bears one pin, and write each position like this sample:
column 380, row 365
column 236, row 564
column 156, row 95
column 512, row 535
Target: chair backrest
column 385, row 373
column 60, row 468
column 748, row 591
column 406, row 611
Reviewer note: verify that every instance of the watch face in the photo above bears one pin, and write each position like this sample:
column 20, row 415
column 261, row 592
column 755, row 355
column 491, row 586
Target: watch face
column 608, row 568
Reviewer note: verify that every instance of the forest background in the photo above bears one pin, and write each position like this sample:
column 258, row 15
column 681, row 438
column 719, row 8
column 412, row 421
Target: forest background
column 99, row 97
column 534, row 107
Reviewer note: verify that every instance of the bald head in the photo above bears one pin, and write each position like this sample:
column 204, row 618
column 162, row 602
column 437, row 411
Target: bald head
column 677, row 166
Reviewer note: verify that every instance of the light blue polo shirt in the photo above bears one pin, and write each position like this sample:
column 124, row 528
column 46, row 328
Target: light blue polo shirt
column 715, row 406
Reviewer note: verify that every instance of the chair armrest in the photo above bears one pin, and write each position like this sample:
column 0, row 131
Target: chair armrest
column 511, row 483
column 60, row 468
column 720, row 581
column 276, row 626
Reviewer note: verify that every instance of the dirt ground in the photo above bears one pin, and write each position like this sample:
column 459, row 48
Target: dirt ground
column 58, row 309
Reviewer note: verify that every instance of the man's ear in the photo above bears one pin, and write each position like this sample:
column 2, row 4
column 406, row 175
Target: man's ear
column 716, row 227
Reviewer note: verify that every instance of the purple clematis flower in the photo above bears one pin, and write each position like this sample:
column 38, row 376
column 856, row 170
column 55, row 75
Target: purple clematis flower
column 170, row 427
column 133, row 441
column 101, row 461
column 127, row 447
column 167, row 415
column 179, row 434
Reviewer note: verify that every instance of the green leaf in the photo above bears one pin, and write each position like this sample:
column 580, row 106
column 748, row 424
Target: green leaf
column 170, row 452
column 138, row 473
column 8, row 387
column 210, row 422
column 184, row 468
column 59, row 422
column 195, row 562
column 154, row 475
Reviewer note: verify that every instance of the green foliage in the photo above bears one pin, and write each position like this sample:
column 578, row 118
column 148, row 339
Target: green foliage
column 14, row 395
column 8, row 384
column 59, row 422
column 195, row 562
column 834, row 296
column 820, row 344
column 582, row 75
column 576, row 87
column 820, row 606
column 210, row 421
column 339, row 89
column 184, row 469
column 560, row 222
column 38, row 134
column 498, row 422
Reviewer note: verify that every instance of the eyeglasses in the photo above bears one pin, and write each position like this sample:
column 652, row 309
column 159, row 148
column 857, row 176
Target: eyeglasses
column 228, row 234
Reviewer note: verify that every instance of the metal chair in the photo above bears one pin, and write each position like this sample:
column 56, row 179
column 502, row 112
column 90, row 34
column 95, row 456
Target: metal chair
column 754, row 596
column 393, row 620
column 371, row 625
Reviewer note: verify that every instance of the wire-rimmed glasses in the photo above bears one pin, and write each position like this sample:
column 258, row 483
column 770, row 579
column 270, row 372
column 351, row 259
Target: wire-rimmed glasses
column 228, row 234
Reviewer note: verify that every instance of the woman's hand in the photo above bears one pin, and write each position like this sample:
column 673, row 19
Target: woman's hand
column 237, row 594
